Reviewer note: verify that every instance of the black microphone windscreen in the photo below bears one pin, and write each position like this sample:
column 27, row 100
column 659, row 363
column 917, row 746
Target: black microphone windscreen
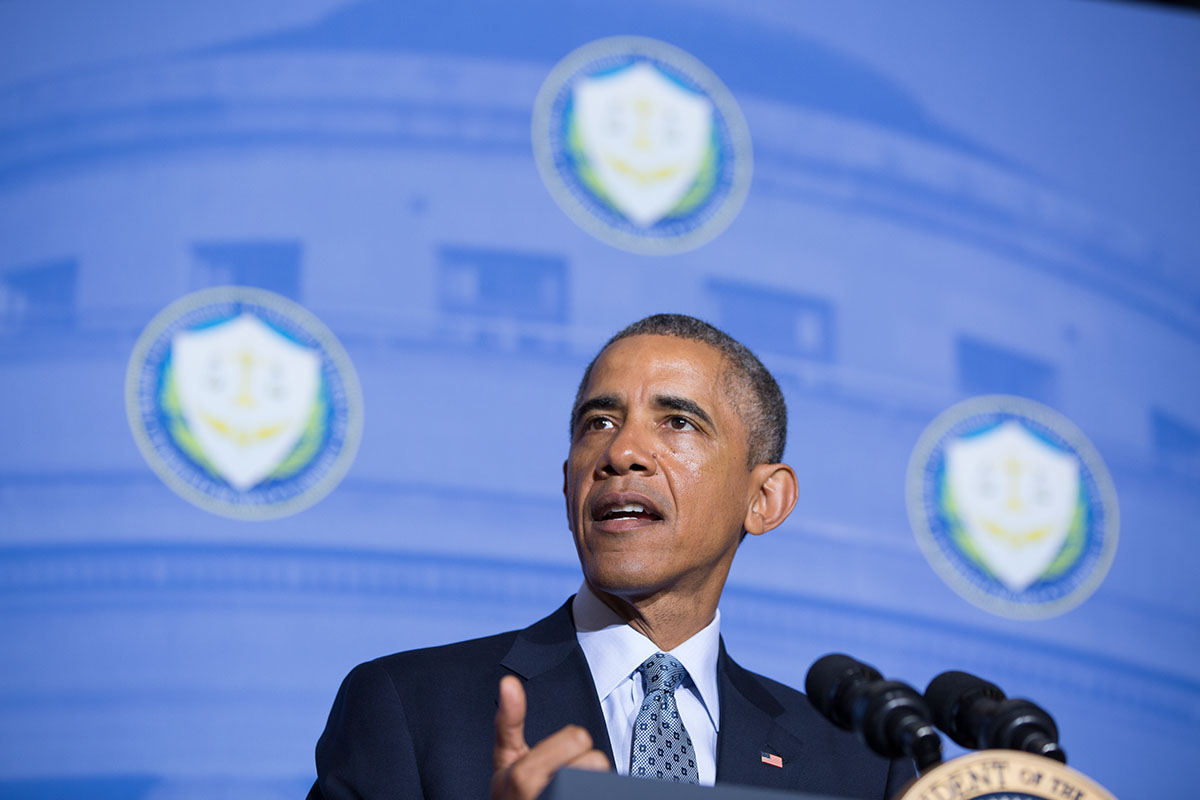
column 829, row 675
column 946, row 693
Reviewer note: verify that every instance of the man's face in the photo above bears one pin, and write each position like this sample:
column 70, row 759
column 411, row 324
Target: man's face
column 657, row 483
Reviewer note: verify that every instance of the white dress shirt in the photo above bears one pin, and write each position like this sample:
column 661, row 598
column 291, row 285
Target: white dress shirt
column 614, row 651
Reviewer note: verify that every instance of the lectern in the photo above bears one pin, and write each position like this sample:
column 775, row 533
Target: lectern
column 985, row 774
column 573, row 784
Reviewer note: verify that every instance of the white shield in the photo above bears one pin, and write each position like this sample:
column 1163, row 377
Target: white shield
column 645, row 137
column 246, row 393
column 1017, row 496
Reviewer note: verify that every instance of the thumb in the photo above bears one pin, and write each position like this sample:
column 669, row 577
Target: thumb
column 510, row 724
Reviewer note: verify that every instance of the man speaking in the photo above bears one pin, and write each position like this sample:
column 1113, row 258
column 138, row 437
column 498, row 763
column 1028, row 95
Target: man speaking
column 677, row 435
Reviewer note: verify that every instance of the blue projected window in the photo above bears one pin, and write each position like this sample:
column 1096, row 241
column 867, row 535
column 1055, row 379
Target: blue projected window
column 1172, row 437
column 502, row 284
column 270, row 265
column 769, row 320
column 986, row 368
column 39, row 296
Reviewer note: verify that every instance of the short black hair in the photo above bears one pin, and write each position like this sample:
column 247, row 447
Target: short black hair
column 757, row 396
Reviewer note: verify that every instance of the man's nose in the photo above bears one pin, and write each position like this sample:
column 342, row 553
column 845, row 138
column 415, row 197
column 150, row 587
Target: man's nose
column 630, row 450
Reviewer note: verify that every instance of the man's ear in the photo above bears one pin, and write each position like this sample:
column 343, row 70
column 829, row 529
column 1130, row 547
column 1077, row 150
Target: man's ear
column 564, row 478
column 775, row 492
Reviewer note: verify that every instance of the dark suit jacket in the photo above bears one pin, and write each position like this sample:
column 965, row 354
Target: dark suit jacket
column 421, row 724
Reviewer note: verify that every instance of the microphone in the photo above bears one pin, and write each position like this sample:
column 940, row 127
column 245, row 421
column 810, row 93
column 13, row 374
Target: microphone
column 889, row 717
column 976, row 714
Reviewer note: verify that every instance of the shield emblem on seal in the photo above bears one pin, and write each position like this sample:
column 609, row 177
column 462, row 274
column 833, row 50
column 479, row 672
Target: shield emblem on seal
column 645, row 136
column 246, row 392
column 1016, row 496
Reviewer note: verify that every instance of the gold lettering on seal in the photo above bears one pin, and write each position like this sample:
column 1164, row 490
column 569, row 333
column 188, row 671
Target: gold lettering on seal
column 969, row 781
column 990, row 773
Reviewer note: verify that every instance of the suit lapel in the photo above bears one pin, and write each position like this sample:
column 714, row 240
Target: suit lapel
column 559, row 689
column 749, row 729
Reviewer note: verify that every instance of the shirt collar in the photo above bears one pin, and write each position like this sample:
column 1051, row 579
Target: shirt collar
column 614, row 650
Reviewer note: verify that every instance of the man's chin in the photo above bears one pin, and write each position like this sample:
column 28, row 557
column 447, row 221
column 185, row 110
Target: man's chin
column 625, row 581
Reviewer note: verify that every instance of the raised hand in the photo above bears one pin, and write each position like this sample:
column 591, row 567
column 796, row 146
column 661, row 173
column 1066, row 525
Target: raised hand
column 521, row 772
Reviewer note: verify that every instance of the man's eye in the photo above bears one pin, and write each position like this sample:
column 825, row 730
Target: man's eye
column 680, row 423
column 597, row 424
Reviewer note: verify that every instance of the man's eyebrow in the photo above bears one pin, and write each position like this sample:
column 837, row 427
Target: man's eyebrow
column 676, row 403
column 603, row 402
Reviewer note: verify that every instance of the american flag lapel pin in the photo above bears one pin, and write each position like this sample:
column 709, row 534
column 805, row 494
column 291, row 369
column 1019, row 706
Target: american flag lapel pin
column 770, row 758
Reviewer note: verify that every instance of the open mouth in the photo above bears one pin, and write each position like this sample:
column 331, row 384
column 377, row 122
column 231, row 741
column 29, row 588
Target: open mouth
column 629, row 508
column 630, row 511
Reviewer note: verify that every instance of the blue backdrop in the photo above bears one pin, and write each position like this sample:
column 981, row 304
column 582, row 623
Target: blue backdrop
column 949, row 199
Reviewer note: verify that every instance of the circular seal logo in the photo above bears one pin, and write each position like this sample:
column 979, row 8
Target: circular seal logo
column 243, row 402
column 642, row 145
column 1003, row 775
column 1012, row 506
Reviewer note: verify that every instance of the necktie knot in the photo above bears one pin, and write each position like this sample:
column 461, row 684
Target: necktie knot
column 661, row 672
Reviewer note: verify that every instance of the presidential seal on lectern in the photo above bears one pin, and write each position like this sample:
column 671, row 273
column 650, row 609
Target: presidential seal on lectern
column 1004, row 775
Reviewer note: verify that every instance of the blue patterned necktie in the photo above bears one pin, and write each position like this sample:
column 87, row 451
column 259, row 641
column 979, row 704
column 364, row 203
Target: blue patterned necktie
column 662, row 749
